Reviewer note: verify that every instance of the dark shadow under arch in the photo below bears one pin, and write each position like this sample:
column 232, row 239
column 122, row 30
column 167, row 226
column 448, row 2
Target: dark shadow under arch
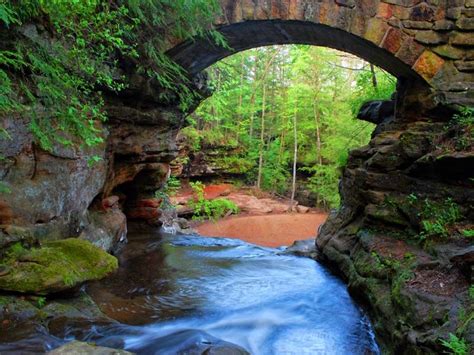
column 196, row 55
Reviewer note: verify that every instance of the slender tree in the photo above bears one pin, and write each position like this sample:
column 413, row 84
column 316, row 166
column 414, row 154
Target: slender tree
column 295, row 157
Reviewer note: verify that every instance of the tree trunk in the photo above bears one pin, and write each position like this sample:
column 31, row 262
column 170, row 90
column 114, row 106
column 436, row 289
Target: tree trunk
column 317, row 117
column 256, row 84
column 262, row 136
column 218, row 88
column 374, row 78
column 282, row 146
column 241, row 87
column 295, row 157
column 252, row 114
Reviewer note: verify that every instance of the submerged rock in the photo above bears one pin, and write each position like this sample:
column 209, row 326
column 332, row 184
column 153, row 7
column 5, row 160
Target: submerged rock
column 56, row 266
column 79, row 347
column 195, row 342
column 306, row 248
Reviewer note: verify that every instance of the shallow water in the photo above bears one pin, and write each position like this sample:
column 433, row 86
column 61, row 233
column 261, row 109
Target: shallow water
column 174, row 292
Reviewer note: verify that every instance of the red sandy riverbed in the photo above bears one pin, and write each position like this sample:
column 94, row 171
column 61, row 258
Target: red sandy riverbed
column 270, row 230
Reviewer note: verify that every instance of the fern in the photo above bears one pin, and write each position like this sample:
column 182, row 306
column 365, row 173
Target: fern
column 7, row 15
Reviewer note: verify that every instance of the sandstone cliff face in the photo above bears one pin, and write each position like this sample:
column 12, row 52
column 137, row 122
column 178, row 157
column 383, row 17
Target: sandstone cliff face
column 208, row 160
column 49, row 192
column 65, row 192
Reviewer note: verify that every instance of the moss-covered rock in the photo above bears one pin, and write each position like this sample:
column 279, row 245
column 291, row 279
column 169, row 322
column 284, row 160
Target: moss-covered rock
column 56, row 266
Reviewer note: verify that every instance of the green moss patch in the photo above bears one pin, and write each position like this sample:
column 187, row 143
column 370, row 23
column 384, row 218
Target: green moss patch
column 56, row 266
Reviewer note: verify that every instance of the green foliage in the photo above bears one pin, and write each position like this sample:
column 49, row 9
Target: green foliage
column 7, row 15
column 471, row 292
column 180, row 19
column 93, row 160
column 219, row 207
column 457, row 346
column 68, row 280
column 15, row 251
column 4, row 189
column 170, row 188
column 216, row 138
column 324, row 181
column 366, row 90
column 275, row 173
column 436, row 217
column 465, row 117
column 462, row 124
column 60, row 79
column 402, row 276
column 235, row 164
column 209, row 209
column 398, row 271
column 41, row 302
column 302, row 81
column 192, row 137
column 468, row 233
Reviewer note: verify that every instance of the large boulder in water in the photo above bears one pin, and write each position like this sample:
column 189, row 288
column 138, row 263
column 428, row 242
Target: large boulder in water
column 306, row 248
column 79, row 347
column 55, row 266
column 192, row 342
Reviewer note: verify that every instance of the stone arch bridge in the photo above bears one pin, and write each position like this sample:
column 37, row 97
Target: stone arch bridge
column 412, row 39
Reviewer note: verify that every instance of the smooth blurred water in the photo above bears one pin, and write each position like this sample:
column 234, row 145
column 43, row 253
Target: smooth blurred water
column 256, row 297
column 174, row 291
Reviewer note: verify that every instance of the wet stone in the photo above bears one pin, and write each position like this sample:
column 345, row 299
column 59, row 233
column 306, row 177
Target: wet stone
column 422, row 12
column 82, row 348
column 447, row 51
column 462, row 39
column 465, row 24
column 4, row 270
column 430, row 37
column 443, row 25
column 346, row 3
column 467, row 66
column 421, row 25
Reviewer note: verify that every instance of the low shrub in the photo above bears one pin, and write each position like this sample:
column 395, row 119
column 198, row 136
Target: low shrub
column 457, row 346
column 209, row 209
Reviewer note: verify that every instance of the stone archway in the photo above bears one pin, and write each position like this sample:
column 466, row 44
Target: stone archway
column 433, row 38
column 197, row 55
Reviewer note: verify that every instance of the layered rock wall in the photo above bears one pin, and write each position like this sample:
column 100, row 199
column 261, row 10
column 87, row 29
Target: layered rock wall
column 387, row 241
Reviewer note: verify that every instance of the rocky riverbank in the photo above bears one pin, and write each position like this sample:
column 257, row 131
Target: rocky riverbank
column 249, row 200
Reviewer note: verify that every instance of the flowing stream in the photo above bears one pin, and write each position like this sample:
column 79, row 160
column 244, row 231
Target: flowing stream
column 179, row 293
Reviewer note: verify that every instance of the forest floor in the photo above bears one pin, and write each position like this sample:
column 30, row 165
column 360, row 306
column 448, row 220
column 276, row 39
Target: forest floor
column 264, row 219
